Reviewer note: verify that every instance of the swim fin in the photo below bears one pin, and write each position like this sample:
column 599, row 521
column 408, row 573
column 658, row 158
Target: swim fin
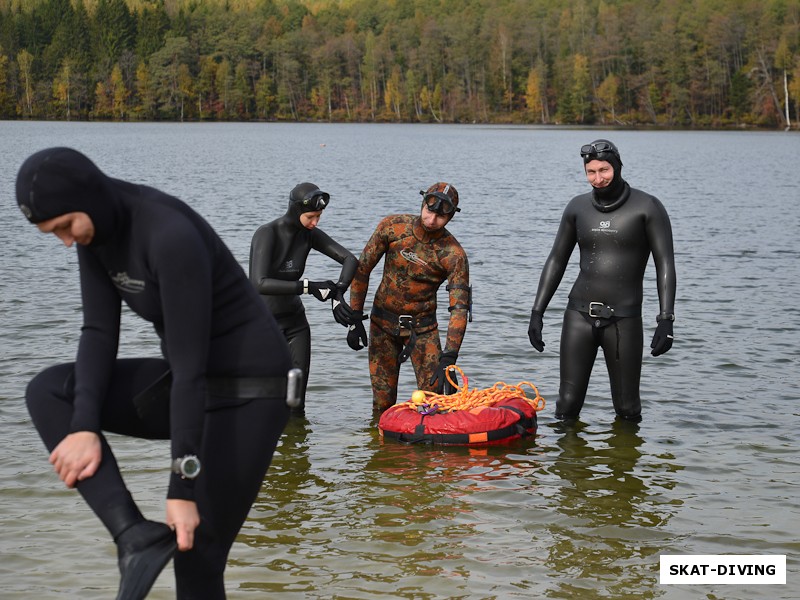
column 143, row 551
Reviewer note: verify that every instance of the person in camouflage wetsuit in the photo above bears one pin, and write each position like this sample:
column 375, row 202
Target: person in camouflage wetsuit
column 420, row 254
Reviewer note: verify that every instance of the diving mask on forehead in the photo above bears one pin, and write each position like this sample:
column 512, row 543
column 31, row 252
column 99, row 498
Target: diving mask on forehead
column 439, row 203
column 315, row 200
column 600, row 150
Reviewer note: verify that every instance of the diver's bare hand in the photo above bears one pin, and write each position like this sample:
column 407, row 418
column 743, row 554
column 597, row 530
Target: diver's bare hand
column 77, row 457
column 183, row 517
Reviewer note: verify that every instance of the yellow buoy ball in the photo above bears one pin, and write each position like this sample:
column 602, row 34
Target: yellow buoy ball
column 418, row 396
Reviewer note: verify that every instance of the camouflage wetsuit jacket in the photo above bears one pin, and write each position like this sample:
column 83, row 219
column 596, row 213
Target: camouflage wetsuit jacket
column 416, row 264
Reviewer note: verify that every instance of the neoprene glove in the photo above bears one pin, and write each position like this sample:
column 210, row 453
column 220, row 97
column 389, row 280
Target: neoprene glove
column 321, row 290
column 535, row 330
column 439, row 378
column 356, row 334
column 341, row 309
column 662, row 339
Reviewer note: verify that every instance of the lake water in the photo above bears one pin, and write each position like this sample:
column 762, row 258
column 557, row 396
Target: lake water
column 576, row 512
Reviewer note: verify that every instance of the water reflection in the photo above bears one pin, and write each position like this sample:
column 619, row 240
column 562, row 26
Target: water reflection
column 608, row 537
column 598, row 472
column 479, row 465
column 405, row 514
column 285, row 517
column 288, row 484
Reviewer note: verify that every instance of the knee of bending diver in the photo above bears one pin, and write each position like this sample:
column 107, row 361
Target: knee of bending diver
column 56, row 382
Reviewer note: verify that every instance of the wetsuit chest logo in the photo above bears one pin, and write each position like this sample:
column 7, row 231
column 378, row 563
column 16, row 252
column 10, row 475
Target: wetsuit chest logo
column 287, row 267
column 411, row 256
column 125, row 283
column 605, row 227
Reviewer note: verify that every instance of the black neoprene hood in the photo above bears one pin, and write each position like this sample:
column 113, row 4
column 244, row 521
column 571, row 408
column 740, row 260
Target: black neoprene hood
column 57, row 181
column 303, row 197
column 612, row 156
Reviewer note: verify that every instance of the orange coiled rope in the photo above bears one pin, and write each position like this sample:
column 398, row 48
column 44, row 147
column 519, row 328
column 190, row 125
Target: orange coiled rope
column 466, row 399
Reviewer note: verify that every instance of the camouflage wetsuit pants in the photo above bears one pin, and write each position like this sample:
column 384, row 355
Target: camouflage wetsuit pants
column 385, row 345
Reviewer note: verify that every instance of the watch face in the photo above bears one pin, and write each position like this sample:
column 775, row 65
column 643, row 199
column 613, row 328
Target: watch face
column 190, row 467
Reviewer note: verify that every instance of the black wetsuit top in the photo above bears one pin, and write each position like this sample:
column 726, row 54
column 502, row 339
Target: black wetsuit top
column 615, row 243
column 170, row 267
column 616, row 233
column 162, row 259
column 278, row 255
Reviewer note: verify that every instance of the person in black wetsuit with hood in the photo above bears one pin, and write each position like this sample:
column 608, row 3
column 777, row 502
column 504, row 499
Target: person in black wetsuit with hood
column 616, row 228
column 278, row 254
column 219, row 393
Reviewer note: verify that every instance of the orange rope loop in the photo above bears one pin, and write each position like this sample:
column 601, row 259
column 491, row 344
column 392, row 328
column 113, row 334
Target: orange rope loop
column 466, row 399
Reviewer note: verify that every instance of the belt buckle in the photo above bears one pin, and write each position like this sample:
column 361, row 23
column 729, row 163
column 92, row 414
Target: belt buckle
column 405, row 321
column 592, row 306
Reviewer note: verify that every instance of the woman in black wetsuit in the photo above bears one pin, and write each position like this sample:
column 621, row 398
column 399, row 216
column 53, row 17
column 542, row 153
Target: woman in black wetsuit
column 219, row 393
column 278, row 256
column 616, row 228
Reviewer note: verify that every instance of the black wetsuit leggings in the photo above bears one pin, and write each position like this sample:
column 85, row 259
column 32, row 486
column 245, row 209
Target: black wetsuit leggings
column 622, row 342
column 238, row 443
column 297, row 332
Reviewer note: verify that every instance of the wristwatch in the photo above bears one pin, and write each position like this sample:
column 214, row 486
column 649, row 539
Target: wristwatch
column 188, row 467
column 665, row 317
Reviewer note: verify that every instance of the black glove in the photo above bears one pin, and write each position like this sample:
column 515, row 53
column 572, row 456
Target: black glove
column 321, row 290
column 439, row 378
column 341, row 309
column 662, row 339
column 535, row 330
column 356, row 334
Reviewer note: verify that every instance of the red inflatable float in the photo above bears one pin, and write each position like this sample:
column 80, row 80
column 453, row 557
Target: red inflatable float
column 496, row 415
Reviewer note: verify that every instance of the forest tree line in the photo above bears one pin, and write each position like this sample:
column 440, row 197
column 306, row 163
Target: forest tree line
column 671, row 63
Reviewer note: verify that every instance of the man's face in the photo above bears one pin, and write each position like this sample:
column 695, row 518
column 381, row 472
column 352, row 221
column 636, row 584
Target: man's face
column 432, row 221
column 599, row 173
column 74, row 227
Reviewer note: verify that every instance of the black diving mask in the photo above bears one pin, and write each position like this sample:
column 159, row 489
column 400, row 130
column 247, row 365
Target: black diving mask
column 315, row 200
column 440, row 203
column 594, row 150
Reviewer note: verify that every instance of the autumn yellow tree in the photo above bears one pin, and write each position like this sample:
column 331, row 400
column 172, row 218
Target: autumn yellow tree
column 118, row 93
column 264, row 96
column 794, row 90
column 607, row 93
column 432, row 101
column 785, row 61
column 581, row 88
column 393, row 95
column 62, row 89
column 534, row 97
column 102, row 100
column 25, row 64
column 5, row 96
column 185, row 88
column 145, row 92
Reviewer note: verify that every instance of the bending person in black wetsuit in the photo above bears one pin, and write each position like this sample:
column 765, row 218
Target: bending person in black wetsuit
column 219, row 393
column 278, row 256
column 617, row 228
